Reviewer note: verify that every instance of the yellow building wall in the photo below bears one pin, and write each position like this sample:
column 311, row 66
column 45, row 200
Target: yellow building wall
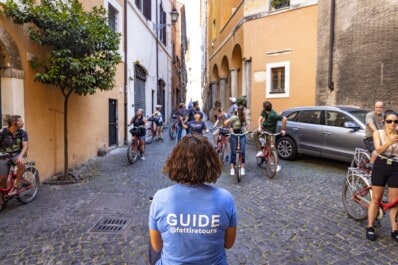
column 294, row 30
column 259, row 37
column 88, row 116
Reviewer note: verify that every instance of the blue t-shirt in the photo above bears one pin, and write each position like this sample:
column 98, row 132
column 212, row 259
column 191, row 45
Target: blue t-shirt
column 197, row 127
column 192, row 221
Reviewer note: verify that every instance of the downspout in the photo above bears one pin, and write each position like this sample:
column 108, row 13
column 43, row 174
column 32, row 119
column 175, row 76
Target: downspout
column 125, row 70
column 331, row 44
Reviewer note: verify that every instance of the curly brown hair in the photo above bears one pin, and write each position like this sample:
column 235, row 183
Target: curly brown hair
column 193, row 161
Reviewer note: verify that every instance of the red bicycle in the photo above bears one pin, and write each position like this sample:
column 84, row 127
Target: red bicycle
column 28, row 185
column 173, row 128
column 133, row 149
column 270, row 157
column 357, row 195
column 222, row 144
column 151, row 130
column 238, row 163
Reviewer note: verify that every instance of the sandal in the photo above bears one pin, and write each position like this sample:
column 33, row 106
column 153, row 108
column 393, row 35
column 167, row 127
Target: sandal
column 370, row 234
column 13, row 191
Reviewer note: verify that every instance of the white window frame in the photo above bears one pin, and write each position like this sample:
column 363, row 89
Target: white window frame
column 268, row 79
column 119, row 22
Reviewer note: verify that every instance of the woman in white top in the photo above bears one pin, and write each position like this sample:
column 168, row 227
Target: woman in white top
column 385, row 171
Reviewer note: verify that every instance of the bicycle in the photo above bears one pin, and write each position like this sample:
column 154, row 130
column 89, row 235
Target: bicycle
column 174, row 127
column 133, row 149
column 28, row 185
column 150, row 132
column 357, row 195
column 238, row 158
column 222, row 145
column 269, row 156
column 361, row 160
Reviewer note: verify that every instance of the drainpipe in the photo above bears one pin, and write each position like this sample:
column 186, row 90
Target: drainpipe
column 125, row 71
column 331, row 44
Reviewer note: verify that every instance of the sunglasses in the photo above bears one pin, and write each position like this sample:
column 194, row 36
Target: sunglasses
column 391, row 121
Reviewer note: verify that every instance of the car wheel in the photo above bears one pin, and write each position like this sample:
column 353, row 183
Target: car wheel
column 286, row 148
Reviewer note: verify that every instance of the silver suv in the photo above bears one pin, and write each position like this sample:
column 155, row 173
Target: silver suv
column 322, row 131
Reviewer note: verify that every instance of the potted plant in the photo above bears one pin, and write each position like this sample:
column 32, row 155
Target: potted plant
column 279, row 3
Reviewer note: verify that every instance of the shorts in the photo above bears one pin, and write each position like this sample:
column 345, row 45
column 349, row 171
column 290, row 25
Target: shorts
column 159, row 123
column 5, row 167
column 368, row 141
column 383, row 173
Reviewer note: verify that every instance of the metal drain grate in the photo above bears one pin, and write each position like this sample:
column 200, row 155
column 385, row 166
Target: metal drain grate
column 110, row 225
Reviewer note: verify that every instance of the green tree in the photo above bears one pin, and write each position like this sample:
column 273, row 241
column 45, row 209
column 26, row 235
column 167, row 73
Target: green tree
column 83, row 49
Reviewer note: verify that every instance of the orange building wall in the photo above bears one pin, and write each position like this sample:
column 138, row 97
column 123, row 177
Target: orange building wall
column 88, row 115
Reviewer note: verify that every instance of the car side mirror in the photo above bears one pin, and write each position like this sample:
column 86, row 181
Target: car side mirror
column 352, row 125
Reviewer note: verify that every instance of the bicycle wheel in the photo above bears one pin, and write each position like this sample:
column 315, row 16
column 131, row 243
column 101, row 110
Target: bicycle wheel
column 237, row 167
column 272, row 164
column 148, row 136
column 29, row 185
column 173, row 131
column 360, row 159
column 354, row 185
column 220, row 151
column 132, row 153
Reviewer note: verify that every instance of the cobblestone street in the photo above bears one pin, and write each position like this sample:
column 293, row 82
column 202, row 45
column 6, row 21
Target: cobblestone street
column 295, row 218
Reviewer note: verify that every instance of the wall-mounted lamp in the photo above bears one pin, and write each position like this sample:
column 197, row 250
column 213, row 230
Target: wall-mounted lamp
column 174, row 18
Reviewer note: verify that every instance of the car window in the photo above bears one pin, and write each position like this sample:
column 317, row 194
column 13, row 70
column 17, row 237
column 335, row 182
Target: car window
column 335, row 118
column 360, row 115
column 309, row 116
column 292, row 116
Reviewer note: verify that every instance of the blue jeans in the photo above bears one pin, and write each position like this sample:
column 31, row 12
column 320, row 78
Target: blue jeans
column 233, row 141
column 179, row 132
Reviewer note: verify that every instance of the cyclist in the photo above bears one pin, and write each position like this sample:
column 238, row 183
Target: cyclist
column 374, row 122
column 14, row 141
column 237, row 122
column 268, row 121
column 159, row 122
column 182, row 114
column 385, row 171
column 197, row 126
column 221, row 117
column 232, row 108
column 140, row 120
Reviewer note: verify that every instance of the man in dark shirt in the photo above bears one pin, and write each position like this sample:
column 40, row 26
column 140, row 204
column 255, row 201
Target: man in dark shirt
column 268, row 120
column 14, row 141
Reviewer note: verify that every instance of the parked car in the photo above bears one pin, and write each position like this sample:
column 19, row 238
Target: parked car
column 322, row 131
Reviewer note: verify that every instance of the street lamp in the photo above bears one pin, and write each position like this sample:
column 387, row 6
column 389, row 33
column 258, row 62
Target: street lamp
column 174, row 18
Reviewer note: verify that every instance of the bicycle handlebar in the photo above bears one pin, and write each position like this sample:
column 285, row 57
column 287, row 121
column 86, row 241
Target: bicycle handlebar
column 269, row 133
column 240, row 134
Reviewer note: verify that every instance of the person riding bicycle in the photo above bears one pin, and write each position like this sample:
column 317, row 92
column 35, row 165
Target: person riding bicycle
column 237, row 123
column 182, row 114
column 14, row 141
column 197, row 126
column 385, row 171
column 139, row 120
column 221, row 118
column 159, row 122
column 268, row 121
column 374, row 122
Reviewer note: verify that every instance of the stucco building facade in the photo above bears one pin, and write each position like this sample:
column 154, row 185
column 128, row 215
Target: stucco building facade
column 260, row 52
column 94, row 121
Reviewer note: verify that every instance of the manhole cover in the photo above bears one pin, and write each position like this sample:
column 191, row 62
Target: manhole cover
column 113, row 225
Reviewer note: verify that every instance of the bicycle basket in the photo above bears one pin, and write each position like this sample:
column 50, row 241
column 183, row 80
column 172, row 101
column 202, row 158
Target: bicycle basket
column 137, row 131
column 224, row 131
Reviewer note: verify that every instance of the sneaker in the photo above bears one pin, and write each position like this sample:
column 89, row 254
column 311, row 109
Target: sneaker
column 242, row 171
column 370, row 234
column 142, row 157
column 259, row 154
column 394, row 235
column 278, row 168
column 232, row 172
